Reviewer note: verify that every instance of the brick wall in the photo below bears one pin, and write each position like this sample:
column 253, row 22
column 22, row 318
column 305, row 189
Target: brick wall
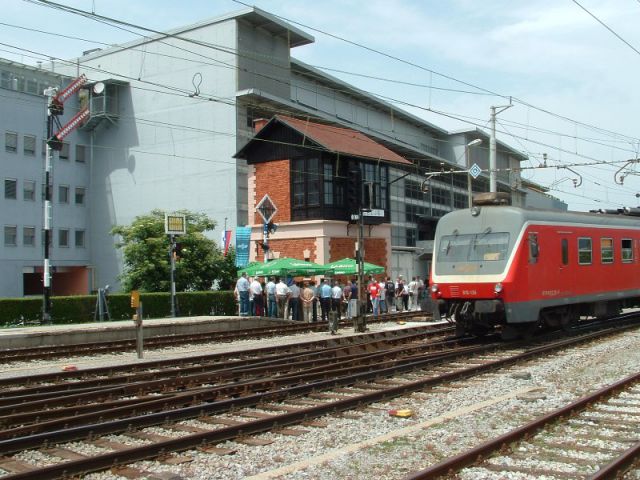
column 273, row 179
column 375, row 249
column 293, row 248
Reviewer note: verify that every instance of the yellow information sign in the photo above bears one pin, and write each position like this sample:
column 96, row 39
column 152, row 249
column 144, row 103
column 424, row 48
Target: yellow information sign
column 175, row 224
column 135, row 298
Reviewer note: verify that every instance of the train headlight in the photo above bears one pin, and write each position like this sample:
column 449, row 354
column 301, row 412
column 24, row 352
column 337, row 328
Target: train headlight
column 497, row 288
column 435, row 290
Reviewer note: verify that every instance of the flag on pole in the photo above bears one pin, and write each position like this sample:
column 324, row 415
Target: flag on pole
column 226, row 241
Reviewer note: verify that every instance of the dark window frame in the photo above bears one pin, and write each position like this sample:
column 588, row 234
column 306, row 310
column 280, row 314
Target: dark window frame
column 624, row 250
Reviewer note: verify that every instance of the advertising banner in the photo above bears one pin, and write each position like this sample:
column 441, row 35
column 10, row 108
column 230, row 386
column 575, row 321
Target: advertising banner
column 243, row 238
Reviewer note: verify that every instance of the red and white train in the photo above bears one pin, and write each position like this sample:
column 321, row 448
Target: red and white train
column 526, row 268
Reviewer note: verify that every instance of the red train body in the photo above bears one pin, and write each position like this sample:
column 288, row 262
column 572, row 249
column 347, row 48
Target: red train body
column 522, row 268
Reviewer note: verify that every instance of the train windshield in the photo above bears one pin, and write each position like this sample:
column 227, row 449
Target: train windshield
column 476, row 247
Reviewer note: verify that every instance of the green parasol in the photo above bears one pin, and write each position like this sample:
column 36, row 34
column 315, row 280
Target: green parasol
column 347, row 266
column 284, row 266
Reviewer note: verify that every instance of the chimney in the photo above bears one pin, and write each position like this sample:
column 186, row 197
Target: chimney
column 259, row 123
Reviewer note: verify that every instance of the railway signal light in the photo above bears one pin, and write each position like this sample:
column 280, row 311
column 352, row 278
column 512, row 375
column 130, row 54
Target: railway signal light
column 354, row 190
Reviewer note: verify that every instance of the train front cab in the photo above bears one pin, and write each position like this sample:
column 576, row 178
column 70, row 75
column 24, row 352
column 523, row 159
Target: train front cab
column 470, row 275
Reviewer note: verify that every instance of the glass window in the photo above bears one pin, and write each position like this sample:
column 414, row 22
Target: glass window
column 64, row 153
column 80, row 194
column 29, row 190
column 11, row 142
column 10, row 235
column 29, row 146
column 313, row 182
column 626, row 250
column 441, row 196
column 63, row 193
column 606, row 250
column 79, row 238
column 29, row 236
column 10, row 187
column 81, row 152
column 476, row 247
column 32, row 86
column 565, row 251
column 328, row 184
column 297, row 174
column 63, row 237
column 584, row 251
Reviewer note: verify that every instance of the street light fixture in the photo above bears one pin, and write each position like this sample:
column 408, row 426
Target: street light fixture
column 477, row 141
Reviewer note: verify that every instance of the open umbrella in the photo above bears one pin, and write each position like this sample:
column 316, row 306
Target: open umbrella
column 285, row 266
column 348, row 266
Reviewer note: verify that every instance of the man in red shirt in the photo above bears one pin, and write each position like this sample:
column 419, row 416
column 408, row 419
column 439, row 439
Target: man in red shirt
column 375, row 301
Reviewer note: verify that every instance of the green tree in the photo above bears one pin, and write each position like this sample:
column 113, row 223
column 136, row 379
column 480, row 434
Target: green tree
column 147, row 265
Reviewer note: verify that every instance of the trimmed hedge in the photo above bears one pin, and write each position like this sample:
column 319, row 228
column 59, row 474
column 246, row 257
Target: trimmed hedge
column 81, row 308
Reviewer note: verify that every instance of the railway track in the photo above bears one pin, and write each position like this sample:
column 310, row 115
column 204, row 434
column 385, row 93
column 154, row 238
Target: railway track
column 202, row 415
column 594, row 437
column 95, row 348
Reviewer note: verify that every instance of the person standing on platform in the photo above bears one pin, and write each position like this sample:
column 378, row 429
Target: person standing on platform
column 294, row 299
column 325, row 299
column 242, row 287
column 282, row 296
column 336, row 298
column 308, row 298
column 316, row 300
column 353, row 300
column 382, row 296
column 255, row 291
column 390, row 289
column 413, row 293
column 272, row 306
column 373, row 295
column 346, row 298
column 399, row 288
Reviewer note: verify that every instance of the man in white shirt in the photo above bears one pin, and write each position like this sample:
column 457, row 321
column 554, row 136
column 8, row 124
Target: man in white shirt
column 282, row 297
column 272, row 309
column 242, row 287
column 413, row 293
column 336, row 298
column 255, row 291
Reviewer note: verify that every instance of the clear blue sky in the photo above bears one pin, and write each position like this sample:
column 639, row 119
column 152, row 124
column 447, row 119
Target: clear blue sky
column 568, row 72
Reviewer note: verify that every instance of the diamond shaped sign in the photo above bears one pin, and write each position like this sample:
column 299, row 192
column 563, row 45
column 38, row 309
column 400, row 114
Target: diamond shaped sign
column 475, row 171
column 266, row 209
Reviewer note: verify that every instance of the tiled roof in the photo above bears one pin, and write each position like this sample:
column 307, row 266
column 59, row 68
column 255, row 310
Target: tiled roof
column 343, row 140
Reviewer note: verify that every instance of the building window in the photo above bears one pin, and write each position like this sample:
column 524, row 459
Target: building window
column 306, row 182
column 584, row 251
column 29, row 145
column 10, row 235
column 29, row 236
column 80, row 238
column 63, row 237
column 81, row 152
column 11, row 142
column 460, row 200
column 80, row 194
column 10, row 188
column 64, row 153
column 626, row 252
column 606, row 250
column 29, row 190
column 328, row 184
column 63, row 194
column 441, row 196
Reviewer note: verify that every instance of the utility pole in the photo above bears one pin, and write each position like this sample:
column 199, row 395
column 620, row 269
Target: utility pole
column 172, row 256
column 493, row 184
column 55, row 108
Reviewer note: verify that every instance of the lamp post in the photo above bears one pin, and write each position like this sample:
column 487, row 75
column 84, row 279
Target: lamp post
column 477, row 141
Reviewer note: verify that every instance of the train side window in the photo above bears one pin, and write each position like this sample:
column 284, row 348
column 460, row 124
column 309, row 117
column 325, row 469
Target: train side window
column 565, row 251
column 626, row 250
column 584, row 251
column 606, row 250
column 534, row 249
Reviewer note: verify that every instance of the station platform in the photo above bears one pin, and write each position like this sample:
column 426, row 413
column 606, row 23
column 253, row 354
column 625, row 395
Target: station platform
column 47, row 335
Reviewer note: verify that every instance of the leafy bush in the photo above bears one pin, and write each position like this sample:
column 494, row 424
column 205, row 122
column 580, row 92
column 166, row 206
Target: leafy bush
column 81, row 308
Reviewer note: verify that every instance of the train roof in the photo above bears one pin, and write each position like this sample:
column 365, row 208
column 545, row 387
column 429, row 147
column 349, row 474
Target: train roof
column 505, row 214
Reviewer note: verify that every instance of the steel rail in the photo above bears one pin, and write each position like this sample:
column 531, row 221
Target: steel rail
column 280, row 382
column 52, row 351
column 79, row 467
column 456, row 463
column 619, row 466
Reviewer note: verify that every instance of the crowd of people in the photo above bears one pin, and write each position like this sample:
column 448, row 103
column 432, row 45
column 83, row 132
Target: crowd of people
column 311, row 301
